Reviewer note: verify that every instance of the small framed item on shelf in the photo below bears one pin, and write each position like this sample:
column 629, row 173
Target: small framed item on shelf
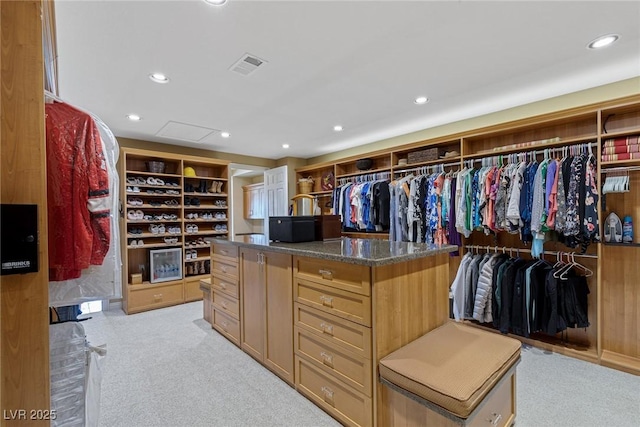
column 166, row 265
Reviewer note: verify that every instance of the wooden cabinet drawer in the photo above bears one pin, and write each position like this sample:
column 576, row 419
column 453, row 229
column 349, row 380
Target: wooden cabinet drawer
column 224, row 252
column 224, row 268
column 347, row 366
column 349, row 277
column 347, row 334
column 192, row 291
column 499, row 408
column 339, row 400
column 354, row 307
column 226, row 304
column 227, row 326
column 155, row 296
column 226, row 286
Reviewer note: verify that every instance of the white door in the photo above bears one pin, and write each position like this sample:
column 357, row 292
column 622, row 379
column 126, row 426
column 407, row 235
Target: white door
column 276, row 194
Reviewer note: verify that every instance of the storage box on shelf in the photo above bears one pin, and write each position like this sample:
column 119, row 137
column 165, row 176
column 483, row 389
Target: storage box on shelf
column 411, row 160
column 156, row 217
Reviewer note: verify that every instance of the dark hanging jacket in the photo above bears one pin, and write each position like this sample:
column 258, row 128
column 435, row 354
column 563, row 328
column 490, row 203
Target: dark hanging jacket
column 381, row 204
column 553, row 322
column 573, row 302
column 519, row 303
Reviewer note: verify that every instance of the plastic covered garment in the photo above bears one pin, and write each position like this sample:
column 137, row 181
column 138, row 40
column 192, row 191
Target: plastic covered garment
column 76, row 374
column 84, row 251
column 67, row 364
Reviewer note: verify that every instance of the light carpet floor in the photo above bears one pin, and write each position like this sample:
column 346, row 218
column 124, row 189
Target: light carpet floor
column 168, row 367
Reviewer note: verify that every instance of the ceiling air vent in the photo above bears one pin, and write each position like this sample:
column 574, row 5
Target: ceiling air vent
column 247, row 64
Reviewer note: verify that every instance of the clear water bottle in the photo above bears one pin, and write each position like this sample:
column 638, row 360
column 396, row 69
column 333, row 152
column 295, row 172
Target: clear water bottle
column 627, row 230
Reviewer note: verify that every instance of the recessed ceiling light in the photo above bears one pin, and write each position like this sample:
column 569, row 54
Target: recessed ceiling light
column 134, row 117
column 338, row 128
column 225, row 134
column 603, row 41
column 159, row 78
column 285, row 145
column 216, row 2
column 421, row 100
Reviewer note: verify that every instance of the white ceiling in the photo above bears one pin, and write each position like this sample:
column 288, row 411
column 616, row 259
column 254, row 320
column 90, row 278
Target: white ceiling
column 355, row 63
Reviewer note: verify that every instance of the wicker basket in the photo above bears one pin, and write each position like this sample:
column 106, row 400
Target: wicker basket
column 422, row 155
column 305, row 185
column 156, row 167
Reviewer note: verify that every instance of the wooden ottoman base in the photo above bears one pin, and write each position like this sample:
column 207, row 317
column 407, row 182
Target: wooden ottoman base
column 405, row 409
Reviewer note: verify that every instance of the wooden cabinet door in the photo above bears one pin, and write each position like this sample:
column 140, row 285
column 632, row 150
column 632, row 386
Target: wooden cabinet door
column 252, row 318
column 246, row 203
column 253, row 196
column 278, row 351
column 259, row 202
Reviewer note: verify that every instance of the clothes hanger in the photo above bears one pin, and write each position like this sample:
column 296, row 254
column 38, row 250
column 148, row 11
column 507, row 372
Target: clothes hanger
column 574, row 263
column 563, row 268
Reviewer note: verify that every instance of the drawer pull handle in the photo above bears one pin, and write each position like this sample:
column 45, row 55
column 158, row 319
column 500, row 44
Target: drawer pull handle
column 496, row 419
column 328, row 394
column 224, row 252
column 326, row 328
column 223, row 285
column 224, row 325
column 224, row 305
column 157, row 296
column 326, row 274
column 327, row 301
column 327, row 358
column 224, row 269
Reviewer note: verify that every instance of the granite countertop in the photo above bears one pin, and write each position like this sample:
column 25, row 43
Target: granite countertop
column 371, row 252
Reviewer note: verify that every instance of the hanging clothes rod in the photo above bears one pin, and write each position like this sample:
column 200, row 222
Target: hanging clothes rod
column 426, row 167
column 504, row 249
column 620, row 169
column 534, row 151
column 365, row 177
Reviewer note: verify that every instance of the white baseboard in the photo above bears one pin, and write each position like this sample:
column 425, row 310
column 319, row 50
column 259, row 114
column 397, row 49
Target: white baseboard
column 112, row 305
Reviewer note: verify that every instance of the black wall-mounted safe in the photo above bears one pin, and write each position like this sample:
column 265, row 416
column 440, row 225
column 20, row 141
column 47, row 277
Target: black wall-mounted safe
column 19, row 236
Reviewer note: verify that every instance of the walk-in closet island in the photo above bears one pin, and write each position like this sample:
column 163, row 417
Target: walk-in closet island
column 321, row 315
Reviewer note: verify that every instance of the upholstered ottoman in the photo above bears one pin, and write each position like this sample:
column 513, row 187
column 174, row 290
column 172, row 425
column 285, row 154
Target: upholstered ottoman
column 454, row 375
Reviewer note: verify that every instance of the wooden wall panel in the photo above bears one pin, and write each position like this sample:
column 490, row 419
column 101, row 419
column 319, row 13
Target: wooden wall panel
column 621, row 308
column 24, row 366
